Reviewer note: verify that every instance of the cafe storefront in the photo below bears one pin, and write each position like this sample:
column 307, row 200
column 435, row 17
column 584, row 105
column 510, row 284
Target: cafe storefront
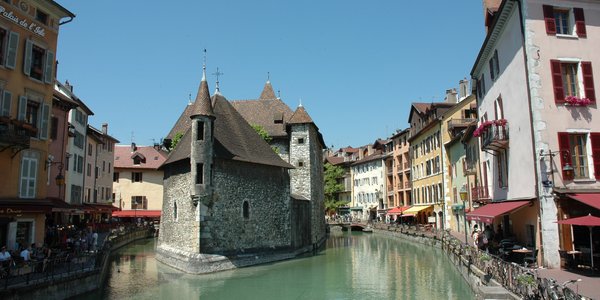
column 22, row 222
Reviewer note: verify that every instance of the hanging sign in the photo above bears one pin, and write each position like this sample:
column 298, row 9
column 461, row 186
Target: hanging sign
column 33, row 27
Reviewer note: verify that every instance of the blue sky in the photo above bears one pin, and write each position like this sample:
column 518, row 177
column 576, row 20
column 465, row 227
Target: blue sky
column 355, row 65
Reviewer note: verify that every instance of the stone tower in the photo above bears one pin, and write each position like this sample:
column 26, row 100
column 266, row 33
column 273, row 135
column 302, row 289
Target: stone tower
column 201, row 154
column 306, row 155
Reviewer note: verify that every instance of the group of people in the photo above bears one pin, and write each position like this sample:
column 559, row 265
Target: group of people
column 82, row 241
column 483, row 239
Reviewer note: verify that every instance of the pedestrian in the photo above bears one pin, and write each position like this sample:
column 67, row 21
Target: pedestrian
column 475, row 236
column 26, row 254
column 94, row 241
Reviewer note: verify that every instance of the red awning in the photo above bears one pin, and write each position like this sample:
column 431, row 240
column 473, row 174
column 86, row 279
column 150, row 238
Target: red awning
column 588, row 220
column 99, row 208
column 136, row 213
column 592, row 200
column 397, row 210
column 487, row 213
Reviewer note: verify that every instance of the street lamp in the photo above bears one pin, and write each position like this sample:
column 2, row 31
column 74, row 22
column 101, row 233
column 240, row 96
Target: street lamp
column 463, row 196
column 567, row 168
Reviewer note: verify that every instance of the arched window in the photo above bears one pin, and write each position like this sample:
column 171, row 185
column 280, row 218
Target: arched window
column 246, row 210
column 175, row 210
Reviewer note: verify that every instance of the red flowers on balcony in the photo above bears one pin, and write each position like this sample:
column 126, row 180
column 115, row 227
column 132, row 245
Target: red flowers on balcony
column 485, row 125
column 575, row 101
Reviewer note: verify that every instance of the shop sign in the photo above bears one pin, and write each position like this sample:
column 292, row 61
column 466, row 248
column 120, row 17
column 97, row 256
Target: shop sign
column 10, row 211
column 33, row 27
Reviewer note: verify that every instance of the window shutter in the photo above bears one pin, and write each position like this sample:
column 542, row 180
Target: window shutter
column 6, row 102
column 549, row 19
column 22, row 113
column 595, row 137
column 48, row 74
column 579, row 22
column 588, row 80
column 557, row 81
column 32, row 177
column 11, row 55
column 24, row 177
column 27, row 60
column 491, row 63
column 564, row 153
column 44, row 122
column 496, row 63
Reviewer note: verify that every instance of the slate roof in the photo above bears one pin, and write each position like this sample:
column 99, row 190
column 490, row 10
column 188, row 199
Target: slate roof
column 300, row 116
column 234, row 139
column 202, row 105
column 264, row 112
column 182, row 124
column 334, row 160
column 124, row 157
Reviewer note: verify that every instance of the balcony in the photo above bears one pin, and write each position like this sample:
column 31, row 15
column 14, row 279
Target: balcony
column 494, row 135
column 15, row 134
column 457, row 125
column 480, row 193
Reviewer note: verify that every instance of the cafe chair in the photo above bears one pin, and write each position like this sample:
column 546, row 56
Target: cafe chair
column 531, row 258
column 569, row 263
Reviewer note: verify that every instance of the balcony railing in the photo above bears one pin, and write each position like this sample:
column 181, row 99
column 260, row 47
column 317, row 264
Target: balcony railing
column 15, row 134
column 494, row 137
column 479, row 193
column 459, row 123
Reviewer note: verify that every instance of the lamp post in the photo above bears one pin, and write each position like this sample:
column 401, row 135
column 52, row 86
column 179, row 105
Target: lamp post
column 567, row 168
column 463, row 196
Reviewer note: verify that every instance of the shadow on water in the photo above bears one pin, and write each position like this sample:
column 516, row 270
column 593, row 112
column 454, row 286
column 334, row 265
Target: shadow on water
column 354, row 265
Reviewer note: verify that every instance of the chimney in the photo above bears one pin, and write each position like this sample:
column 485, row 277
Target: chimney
column 451, row 96
column 463, row 88
column 105, row 128
column 133, row 147
column 68, row 86
column 157, row 146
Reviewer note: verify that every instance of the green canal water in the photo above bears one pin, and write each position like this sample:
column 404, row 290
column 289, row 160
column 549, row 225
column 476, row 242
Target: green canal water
column 353, row 266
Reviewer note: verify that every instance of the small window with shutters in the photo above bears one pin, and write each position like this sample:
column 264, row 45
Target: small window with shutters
column 564, row 21
column 572, row 79
column 38, row 62
column 574, row 149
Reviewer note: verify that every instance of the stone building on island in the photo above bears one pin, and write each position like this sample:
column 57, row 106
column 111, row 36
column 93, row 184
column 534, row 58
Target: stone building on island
column 229, row 199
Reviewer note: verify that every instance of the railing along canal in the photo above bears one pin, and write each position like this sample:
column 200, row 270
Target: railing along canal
column 63, row 264
column 520, row 280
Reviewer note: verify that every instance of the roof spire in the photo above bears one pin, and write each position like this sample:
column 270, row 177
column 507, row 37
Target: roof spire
column 300, row 105
column 204, row 67
column 268, row 76
column 217, row 73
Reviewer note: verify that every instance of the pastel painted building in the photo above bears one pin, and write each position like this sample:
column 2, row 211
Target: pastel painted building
column 138, row 181
column 536, row 89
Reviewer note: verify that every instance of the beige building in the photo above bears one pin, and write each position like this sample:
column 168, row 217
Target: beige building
column 138, row 182
column 427, row 161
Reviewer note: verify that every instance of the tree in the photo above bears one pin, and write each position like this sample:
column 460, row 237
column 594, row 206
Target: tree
column 265, row 135
column 176, row 140
column 333, row 187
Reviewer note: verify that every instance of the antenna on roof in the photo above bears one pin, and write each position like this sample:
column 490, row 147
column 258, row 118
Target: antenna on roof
column 204, row 66
column 132, row 137
column 189, row 98
column 300, row 105
column 279, row 94
column 217, row 73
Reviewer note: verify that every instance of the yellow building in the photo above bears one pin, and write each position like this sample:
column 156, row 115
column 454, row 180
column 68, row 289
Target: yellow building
column 427, row 161
column 456, row 177
column 28, row 43
column 138, row 182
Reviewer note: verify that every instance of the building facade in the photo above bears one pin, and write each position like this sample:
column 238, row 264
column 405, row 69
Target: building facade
column 29, row 35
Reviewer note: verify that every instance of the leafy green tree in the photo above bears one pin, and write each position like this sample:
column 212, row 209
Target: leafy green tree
column 333, row 187
column 265, row 135
column 176, row 140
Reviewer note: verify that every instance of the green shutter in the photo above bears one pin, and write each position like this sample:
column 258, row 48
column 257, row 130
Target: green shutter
column 27, row 59
column 11, row 55
column 6, row 102
column 24, row 177
column 44, row 122
column 48, row 75
column 22, row 112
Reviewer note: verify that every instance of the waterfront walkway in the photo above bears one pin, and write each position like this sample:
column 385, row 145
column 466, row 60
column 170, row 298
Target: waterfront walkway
column 589, row 286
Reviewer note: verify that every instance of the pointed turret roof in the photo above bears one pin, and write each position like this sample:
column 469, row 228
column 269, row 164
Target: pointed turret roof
column 267, row 93
column 202, row 106
column 300, row 116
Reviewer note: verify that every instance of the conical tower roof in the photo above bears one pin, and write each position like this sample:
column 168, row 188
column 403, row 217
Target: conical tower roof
column 267, row 93
column 300, row 116
column 202, row 106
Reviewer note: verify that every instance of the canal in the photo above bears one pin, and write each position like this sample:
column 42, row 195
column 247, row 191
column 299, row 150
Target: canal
column 353, row 266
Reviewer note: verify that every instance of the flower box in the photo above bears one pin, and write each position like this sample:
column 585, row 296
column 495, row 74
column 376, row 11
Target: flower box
column 575, row 101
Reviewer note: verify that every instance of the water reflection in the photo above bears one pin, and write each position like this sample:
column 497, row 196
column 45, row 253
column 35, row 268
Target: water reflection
column 354, row 266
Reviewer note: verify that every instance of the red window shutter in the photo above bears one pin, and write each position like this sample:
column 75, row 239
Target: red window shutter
column 557, row 81
column 579, row 22
column 595, row 137
column 564, row 153
column 588, row 80
column 549, row 19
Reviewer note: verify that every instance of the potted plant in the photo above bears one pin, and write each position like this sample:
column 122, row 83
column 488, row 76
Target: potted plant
column 576, row 101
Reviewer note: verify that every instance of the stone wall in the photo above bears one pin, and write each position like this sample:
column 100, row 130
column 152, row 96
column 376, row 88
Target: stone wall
column 266, row 190
column 283, row 146
column 317, row 188
column 179, row 229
